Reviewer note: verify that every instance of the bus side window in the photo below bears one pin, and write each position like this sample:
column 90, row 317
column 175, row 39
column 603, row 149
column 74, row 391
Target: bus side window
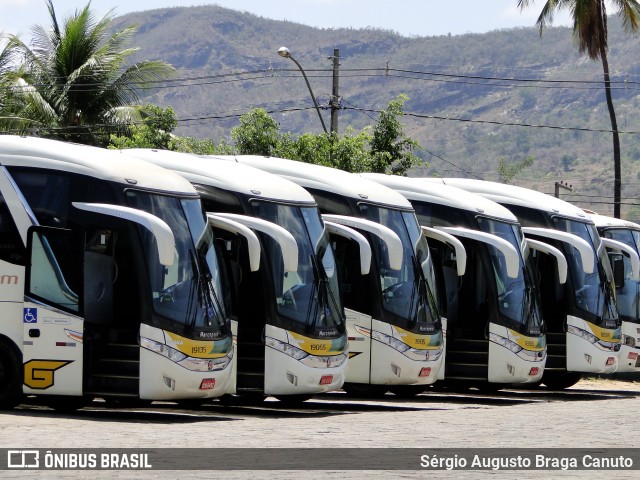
column 53, row 273
column 12, row 249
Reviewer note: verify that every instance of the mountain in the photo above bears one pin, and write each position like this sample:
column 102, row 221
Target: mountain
column 474, row 98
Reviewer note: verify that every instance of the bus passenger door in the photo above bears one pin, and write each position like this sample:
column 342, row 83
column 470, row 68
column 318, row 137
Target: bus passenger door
column 53, row 325
column 356, row 293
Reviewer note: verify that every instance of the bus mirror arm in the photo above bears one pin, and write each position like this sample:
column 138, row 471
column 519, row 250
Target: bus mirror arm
column 159, row 229
column 625, row 249
column 284, row 239
column 390, row 239
column 253, row 244
column 444, row 237
column 363, row 244
column 550, row 250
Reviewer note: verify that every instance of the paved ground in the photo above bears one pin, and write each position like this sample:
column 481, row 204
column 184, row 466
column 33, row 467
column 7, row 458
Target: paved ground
column 593, row 414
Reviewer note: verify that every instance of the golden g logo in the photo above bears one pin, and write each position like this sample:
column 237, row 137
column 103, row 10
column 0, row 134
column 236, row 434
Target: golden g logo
column 38, row 374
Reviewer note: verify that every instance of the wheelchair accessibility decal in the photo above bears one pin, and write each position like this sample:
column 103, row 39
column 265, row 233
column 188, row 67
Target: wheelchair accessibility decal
column 30, row 315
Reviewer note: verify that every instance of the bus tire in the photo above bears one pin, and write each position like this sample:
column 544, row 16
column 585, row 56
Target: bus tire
column 560, row 381
column 293, row 400
column 363, row 390
column 491, row 387
column 67, row 404
column 408, row 391
column 10, row 376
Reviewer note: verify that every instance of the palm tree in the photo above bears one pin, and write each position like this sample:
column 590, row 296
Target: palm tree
column 76, row 81
column 590, row 29
column 6, row 70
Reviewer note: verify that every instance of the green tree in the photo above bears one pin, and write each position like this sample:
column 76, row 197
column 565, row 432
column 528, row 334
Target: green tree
column 258, row 133
column 508, row 170
column 78, row 84
column 308, row 147
column 154, row 132
column 350, row 152
column 391, row 149
column 590, row 30
column 9, row 105
column 201, row 147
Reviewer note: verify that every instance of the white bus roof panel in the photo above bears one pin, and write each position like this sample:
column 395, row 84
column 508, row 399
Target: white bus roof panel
column 226, row 175
column 324, row 178
column 514, row 195
column 603, row 221
column 96, row 162
column 417, row 189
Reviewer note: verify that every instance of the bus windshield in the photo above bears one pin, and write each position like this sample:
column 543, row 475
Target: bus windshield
column 190, row 291
column 629, row 292
column 593, row 291
column 309, row 296
column 516, row 297
column 408, row 292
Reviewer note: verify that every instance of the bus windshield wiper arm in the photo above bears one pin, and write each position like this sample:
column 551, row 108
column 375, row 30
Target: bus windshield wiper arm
column 323, row 280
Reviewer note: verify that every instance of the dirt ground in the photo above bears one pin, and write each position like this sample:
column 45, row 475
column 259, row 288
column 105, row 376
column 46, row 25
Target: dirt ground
column 593, row 414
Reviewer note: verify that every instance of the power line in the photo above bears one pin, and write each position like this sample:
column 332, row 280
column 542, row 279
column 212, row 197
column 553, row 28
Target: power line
column 510, row 124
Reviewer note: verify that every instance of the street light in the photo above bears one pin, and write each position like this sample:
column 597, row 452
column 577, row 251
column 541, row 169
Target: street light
column 285, row 53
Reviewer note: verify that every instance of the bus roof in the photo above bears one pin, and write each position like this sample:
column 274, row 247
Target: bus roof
column 226, row 175
column 513, row 195
column 100, row 163
column 327, row 179
column 603, row 221
column 416, row 189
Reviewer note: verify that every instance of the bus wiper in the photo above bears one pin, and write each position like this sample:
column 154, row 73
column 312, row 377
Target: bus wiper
column 529, row 309
column 424, row 293
column 208, row 298
column 316, row 276
column 193, row 291
column 323, row 280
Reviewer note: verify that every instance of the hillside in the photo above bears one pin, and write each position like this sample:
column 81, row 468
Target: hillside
column 227, row 64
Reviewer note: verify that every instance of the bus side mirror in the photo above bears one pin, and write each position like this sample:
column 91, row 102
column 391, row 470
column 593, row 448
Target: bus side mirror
column 617, row 265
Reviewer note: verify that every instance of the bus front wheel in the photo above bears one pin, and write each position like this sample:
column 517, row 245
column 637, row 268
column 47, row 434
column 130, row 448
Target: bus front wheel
column 10, row 377
column 560, row 381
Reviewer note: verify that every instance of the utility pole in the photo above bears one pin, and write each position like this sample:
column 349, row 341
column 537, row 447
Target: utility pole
column 335, row 96
column 564, row 186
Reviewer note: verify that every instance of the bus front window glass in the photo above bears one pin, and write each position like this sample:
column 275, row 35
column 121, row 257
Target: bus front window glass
column 628, row 293
column 406, row 292
column 302, row 296
column 179, row 292
column 593, row 291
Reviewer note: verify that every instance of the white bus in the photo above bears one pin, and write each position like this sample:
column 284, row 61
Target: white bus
column 110, row 284
column 622, row 240
column 393, row 320
column 583, row 326
column 495, row 331
column 291, row 340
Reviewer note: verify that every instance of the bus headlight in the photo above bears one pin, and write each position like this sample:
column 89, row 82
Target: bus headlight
column 313, row 361
column 190, row 363
column 591, row 338
column 406, row 350
column 528, row 355
column 394, row 343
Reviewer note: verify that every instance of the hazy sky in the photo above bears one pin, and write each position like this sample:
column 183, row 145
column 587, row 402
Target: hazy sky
column 408, row 17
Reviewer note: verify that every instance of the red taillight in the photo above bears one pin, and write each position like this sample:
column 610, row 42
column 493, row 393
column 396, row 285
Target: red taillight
column 632, row 355
column 534, row 371
column 611, row 360
column 425, row 372
column 208, row 384
column 326, row 380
